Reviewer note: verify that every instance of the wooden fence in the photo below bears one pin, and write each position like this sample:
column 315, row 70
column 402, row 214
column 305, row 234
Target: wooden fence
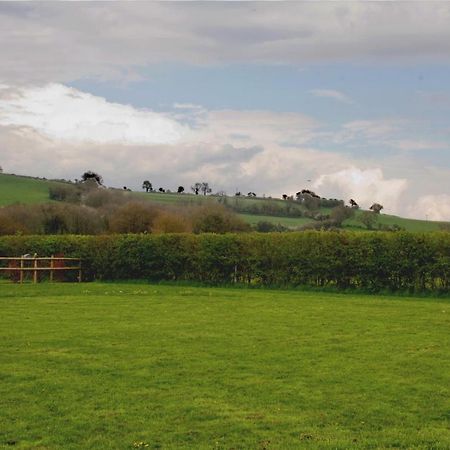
column 19, row 266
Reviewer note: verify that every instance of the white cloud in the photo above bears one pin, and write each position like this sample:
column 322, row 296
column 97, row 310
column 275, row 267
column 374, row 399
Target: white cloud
column 329, row 93
column 63, row 113
column 365, row 186
column 55, row 131
column 432, row 207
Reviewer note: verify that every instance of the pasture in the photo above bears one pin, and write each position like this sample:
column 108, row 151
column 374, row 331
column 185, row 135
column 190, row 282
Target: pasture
column 22, row 189
column 117, row 366
column 16, row 189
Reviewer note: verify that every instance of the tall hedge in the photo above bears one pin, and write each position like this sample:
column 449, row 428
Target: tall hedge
column 369, row 261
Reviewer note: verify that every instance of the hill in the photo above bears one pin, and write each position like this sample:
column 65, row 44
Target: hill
column 21, row 189
column 289, row 214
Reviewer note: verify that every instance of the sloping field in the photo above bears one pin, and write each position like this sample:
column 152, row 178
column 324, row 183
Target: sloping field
column 21, row 189
column 15, row 189
column 92, row 366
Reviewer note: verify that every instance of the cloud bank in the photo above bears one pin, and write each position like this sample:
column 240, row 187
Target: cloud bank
column 62, row 113
column 66, row 41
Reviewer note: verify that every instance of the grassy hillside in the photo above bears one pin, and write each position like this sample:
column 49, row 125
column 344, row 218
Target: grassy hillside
column 21, row 189
column 118, row 366
column 18, row 189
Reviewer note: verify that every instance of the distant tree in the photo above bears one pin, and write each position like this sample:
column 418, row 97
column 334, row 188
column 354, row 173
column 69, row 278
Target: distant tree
column 376, row 208
column 238, row 194
column 147, row 186
column 368, row 219
column 92, row 176
column 284, row 196
column 205, row 188
column 353, row 204
column 161, row 190
column 341, row 213
column 180, row 189
column 133, row 217
column 251, row 194
column 1, row 169
column 196, row 188
column 264, row 226
column 168, row 222
column 217, row 219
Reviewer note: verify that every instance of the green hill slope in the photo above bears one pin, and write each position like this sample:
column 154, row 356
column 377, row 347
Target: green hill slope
column 22, row 189
column 19, row 189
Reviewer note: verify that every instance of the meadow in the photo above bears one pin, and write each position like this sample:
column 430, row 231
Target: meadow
column 15, row 189
column 22, row 189
column 116, row 366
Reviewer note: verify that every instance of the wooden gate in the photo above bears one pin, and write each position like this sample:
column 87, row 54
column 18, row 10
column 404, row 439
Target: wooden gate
column 17, row 267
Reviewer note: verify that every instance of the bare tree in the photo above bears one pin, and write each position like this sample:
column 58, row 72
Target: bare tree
column 196, row 188
column 205, row 188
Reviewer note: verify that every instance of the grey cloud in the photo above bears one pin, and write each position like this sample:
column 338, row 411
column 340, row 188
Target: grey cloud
column 67, row 41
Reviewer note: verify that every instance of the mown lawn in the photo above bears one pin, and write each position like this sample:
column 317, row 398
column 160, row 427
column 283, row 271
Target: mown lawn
column 117, row 366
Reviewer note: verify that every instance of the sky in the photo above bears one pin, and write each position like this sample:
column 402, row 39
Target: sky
column 350, row 99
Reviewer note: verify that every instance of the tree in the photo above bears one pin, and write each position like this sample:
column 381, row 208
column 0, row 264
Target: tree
column 147, row 186
column 217, row 219
column 205, row 188
column 353, row 204
column 368, row 219
column 180, row 189
column 92, row 176
column 133, row 217
column 162, row 190
column 340, row 213
column 196, row 188
column 376, row 208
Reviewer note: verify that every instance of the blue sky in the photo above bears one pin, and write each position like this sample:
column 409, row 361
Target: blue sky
column 354, row 96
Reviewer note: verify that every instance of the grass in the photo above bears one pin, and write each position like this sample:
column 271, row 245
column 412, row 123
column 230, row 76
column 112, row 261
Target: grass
column 116, row 366
column 16, row 189
column 407, row 224
column 21, row 189
column 289, row 222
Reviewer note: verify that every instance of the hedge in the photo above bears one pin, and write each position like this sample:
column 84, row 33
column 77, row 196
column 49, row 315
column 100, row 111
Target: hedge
column 373, row 261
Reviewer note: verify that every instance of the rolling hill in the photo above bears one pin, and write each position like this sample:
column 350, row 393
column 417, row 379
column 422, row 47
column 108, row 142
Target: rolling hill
column 29, row 190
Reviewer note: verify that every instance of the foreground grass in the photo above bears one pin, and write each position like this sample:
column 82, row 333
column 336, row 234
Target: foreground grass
column 105, row 366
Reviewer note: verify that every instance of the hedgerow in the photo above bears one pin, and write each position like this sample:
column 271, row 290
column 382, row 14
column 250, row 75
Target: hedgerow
column 376, row 261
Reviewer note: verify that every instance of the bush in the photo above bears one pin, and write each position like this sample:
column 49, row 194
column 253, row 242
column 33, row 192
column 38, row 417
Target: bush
column 64, row 193
column 372, row 261
column 133, row 217
column 215, row 218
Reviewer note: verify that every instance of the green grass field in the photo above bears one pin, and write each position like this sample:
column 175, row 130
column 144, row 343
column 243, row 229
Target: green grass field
column 117, row 366
column 15, row 189
column 289, row 222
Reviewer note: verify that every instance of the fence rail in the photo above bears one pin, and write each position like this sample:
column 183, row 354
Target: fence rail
column 18, row 266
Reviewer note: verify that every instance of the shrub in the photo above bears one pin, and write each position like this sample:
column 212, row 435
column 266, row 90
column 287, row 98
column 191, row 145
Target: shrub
column 133, row 217
column 167, row 222
column 372, row 261
column 215, row 218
